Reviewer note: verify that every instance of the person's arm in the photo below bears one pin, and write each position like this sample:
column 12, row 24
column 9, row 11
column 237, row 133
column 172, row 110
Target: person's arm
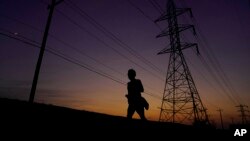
column 141, row 86
column 128, row 88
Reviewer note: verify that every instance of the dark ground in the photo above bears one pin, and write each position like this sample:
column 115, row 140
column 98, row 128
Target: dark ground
column 25, row 120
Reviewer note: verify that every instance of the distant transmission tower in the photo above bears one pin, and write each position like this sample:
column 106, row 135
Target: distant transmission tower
column 181, row 102
column 243, row 114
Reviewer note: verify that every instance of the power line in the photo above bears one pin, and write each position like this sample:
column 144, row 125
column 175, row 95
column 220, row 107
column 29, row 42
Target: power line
column 23, row 41
column 141, row 11
column 204, row 78
column 156, row 6
column 114, row 38
column 208, row 68
column 144, row 14
column 62, row 42
column 107, row 45
column 110, row 35
column 95, row 60
column 86, row 55
column 215, row 64
column 59, row 40
column 217, row 68
column 73, row 61
column 18, row 21
column 64, row 56
column 156, row 3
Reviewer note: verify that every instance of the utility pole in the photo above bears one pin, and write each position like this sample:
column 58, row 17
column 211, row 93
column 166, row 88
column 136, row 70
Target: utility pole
column 221, row 121
column 40, row 58
column 181, row 101
column 243, row 114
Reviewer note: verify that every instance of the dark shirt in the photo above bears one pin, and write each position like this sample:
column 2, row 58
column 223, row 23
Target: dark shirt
column 135, row 88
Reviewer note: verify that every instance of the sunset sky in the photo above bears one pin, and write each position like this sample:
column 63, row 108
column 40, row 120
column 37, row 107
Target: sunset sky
column 107, row 36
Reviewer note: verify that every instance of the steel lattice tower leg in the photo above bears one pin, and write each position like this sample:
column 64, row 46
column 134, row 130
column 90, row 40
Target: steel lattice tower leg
column 181, row 102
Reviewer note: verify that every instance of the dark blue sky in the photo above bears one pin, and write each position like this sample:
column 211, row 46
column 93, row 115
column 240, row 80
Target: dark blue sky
column 222, row 31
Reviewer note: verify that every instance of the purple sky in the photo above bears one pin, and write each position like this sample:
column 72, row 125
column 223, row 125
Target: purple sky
column 224, row 24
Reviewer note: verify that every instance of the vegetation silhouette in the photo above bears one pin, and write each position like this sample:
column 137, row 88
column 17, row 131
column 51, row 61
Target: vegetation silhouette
column 136, row 103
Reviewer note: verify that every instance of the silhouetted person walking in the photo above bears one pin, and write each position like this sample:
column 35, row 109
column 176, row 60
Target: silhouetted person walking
column 135, row 100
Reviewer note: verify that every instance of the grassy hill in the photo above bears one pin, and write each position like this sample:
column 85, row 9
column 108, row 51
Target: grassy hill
column 20, row 116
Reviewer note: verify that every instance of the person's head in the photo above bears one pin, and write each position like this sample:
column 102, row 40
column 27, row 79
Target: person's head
column 131, row 74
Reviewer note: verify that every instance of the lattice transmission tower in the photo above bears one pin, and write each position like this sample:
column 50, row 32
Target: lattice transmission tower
column 243, row 113
column 181, row 102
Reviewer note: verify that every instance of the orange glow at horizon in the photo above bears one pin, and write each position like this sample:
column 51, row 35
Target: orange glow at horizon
column 91, row 73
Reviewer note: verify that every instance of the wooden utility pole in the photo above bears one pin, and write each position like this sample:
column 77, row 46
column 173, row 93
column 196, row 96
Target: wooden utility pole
column 40, row 58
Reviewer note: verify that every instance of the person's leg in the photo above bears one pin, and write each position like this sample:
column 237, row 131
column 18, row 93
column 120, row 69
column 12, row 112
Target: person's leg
column 130, row 112
column 140, row 111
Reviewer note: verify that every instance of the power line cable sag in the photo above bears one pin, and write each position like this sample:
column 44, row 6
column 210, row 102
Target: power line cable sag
column 111, row 35
column 66, row 45
column 62, row 42
column 144, row 14
column 216, row 67
column 214, row 61
column 107, row 45
column 156, row 6
column 72, row 60
column 208, row 68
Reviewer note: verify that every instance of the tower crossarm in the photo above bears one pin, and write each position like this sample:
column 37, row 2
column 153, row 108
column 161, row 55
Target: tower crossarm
column 181, row 101
column 180, row 28
column 183, row 46
column 178, row 12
